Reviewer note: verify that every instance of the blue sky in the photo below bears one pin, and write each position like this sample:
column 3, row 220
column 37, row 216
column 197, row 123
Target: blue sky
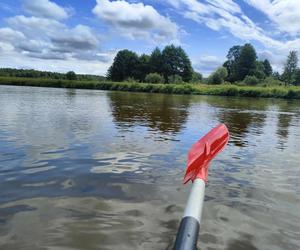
column 84, row 36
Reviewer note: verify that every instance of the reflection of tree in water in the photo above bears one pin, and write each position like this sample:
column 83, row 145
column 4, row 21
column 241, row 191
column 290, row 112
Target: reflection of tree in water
column 71, row 93
column 239, row 124
column 242, row 103
column 283, row 125
column 166, row 113
column 240, row 115
column 284, row 121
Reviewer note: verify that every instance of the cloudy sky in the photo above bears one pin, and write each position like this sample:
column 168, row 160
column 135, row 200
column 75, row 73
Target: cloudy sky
column 84, row 36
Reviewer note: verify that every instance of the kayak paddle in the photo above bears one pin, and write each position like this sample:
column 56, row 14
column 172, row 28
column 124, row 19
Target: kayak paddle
column 199, row 157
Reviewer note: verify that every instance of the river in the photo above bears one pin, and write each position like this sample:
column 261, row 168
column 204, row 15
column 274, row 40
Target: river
column 88, row 169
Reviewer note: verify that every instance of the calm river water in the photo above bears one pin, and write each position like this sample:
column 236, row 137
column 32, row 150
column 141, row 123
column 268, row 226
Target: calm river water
column 86, row 169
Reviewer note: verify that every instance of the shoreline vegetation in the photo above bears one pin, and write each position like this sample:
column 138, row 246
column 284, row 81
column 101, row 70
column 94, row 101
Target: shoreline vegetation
column 287, row 92
column 170, row 71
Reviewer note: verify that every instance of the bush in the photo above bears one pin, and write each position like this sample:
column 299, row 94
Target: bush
column 214, row 79
column 270, row 81
column 175, row 79
column 196, row 78
column 218, row 76
column 154, row 78
column 251, row 80
column 130, row 79
column 71, row 75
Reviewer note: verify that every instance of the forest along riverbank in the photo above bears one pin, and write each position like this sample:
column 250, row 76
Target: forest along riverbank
column 290, row 92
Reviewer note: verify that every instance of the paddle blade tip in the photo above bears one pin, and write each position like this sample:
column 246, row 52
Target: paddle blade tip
column 203, row 151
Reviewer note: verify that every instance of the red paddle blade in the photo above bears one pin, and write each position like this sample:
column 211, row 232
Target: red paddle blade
column 203, row 151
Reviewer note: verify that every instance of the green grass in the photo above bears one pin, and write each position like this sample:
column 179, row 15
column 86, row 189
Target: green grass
column 292, row 92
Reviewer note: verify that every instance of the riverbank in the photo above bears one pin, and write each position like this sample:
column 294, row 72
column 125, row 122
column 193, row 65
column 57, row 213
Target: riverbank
column 291, row 92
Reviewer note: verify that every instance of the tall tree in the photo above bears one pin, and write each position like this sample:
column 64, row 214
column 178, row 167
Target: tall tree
column 124, row 66
column 268, row 68
column 290, row 68
column 142, row 67
column 259, row 71
column 176, row 62
column 231, row 63
column 155, row 61
column 187, row 73
column 247, row 61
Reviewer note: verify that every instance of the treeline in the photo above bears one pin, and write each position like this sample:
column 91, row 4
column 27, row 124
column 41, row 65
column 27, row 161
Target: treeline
column 171, row 65
column 242, row 66
column 31, row 73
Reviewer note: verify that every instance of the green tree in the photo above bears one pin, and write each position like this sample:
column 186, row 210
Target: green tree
column 259, row 71
column 155, row 61
column 71, row 75
column 218, row 77
column 290, row 68
column 297, row 77
column 143, row 67
column 246, row 64
column 196, row 77
column 176, row 62
column 124, row 66
column 268, row 68
column 276, row 75
column 232, row 63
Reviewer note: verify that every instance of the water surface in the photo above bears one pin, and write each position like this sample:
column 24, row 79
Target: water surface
column 86, row 169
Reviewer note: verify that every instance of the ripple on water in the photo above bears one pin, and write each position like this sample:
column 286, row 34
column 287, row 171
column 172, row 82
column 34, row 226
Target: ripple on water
column 90, row 169
column 120, row 162
column 88, row 222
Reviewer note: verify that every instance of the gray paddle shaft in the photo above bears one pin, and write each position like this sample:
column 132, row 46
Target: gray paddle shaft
column 187, row 235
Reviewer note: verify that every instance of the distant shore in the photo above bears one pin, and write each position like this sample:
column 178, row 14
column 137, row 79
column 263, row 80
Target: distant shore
column 290, row 92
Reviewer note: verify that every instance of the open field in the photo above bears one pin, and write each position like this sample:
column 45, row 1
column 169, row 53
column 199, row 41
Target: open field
column 291, row 92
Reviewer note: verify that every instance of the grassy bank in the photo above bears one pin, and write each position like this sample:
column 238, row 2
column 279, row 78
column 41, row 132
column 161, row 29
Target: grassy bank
column 197, row 89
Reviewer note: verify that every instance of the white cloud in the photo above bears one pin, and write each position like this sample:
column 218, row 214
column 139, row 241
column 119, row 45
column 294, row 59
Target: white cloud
column 174, row 3
column 49, row 44
column 17, row 60
column 226, row 15
column 207, row 63
column 45, row 9
column 44, row 41
column 10, row 35
column 276, row 58
column 36, row 26
column 48, row 38
column 285, row 14
column 136, row 20
column 226, row 5
column 79, row 38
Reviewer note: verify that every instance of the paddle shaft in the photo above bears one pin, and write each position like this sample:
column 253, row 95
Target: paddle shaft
column 187, row 234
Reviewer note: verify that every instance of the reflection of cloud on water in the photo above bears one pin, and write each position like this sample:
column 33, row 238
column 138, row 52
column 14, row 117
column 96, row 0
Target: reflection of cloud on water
column 88, row 223
column 46, row 123
column 39, row 184
column 120, row 162
column 35, row 170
